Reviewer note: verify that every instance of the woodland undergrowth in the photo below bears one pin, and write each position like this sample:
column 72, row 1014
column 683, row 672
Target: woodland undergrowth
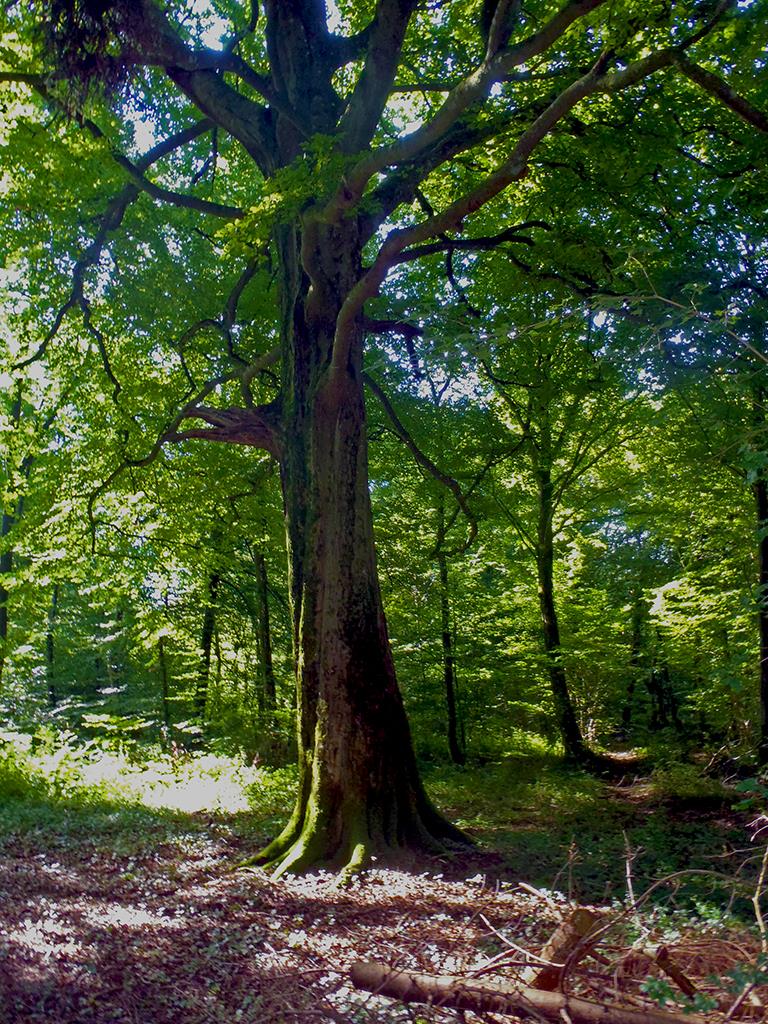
column 121, row 901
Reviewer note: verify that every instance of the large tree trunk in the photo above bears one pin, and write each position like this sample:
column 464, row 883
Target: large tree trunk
column 359, row 787
column 573, row 741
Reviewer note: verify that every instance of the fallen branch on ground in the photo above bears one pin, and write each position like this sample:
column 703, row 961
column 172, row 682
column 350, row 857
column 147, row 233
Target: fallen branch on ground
column 568, row 942
column 501, row 997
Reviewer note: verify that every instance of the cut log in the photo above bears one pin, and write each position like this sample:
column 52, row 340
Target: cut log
column 563, row 941
column 670, row 968
column 502, row 997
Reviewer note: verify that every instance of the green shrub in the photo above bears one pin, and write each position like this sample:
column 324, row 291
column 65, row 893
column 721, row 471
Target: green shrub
column 19, row 779
column 271, row 795
column 685, row 782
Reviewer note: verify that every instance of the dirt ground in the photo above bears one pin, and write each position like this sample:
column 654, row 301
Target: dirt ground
column 178, row 935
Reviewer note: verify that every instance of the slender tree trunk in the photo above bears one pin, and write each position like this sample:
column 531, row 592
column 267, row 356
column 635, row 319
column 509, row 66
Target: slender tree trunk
column 761, row 501
column 634, row 667
column 165, row 688
column 206, row 643
column 9, row 520
column 359, row 787
column 658, row 719
column 568, row 725
column 664, row 704
column 6, row 568
column 266, row 668
column 50, row 647
column 455, row 746
column 217, row 652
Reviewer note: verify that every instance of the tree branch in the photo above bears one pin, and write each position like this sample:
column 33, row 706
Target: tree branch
column 401, row 186
column 245, row 120
column 512, row 169
column 198, row 74
column 503, row 997
column 369, row 97
column 407, row 331
column 101, row 345
column 717, row 87
column 425, row 462
column 500, row 25
column 184, row 199
column 473, row 88
column 482, row 244
column 257, row 427
column 136, row 170
column 110, row 221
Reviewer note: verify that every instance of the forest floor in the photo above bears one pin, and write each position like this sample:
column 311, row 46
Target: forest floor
column 115, row 911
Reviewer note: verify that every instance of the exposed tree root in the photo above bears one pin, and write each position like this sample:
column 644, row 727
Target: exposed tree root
column 306, row 845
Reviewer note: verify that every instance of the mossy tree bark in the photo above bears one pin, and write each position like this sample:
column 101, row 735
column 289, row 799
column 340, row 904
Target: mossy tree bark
column 359, row 788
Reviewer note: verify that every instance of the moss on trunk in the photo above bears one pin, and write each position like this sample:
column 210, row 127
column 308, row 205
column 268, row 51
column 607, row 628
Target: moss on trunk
column 359, row 791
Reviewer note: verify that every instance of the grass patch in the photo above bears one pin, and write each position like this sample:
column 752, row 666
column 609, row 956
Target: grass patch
column 560, row 828
column 58, row 793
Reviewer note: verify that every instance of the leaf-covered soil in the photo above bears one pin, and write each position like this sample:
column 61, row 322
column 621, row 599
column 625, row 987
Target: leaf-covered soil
column 126, row 916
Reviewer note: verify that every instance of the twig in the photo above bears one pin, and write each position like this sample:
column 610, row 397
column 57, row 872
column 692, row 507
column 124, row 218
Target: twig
column 739, row 1001
column 630, row 856
column 756, row 902
column 541, row 895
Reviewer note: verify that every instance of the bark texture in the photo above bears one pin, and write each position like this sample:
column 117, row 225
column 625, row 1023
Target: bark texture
column 359, row 788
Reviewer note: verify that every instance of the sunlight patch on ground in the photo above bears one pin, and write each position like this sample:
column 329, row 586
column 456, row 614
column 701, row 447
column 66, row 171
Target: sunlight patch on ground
column 46, row 937
column 203, row 784
column 193, row 795
column 129, row 917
